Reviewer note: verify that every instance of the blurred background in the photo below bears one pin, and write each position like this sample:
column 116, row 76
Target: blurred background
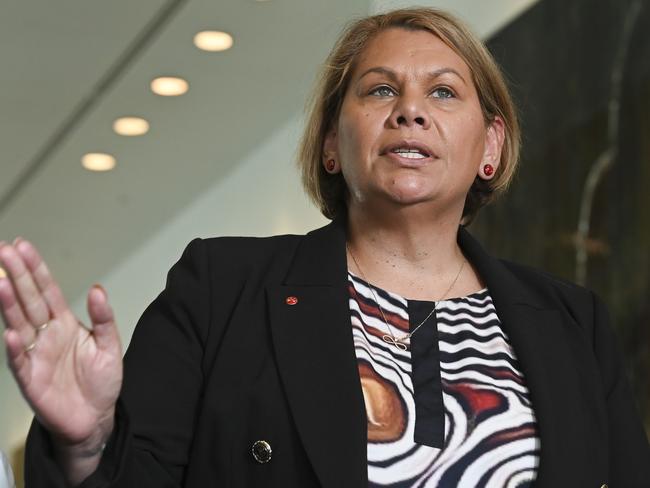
column 128, row 128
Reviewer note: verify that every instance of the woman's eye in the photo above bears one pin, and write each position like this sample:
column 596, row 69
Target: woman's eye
column 443, row 92
column 382, row 91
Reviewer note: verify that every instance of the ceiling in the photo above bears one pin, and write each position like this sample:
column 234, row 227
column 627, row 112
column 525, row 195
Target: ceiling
column 71, row 67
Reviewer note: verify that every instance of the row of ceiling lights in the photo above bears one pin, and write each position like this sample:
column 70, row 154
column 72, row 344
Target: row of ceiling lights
column 165, row 86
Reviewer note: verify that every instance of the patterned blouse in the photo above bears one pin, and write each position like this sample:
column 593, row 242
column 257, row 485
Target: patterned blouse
column 450, row 411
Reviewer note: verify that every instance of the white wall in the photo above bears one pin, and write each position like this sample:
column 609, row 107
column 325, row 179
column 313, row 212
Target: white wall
column 262, row 196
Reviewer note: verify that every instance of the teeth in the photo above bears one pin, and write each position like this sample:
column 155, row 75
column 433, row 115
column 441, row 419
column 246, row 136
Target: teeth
column 410, row 153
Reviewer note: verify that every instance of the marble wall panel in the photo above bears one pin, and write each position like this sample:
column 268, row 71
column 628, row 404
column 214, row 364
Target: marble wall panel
column 580, row 205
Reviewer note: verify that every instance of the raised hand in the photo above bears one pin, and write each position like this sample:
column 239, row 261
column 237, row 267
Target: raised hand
column 70, row 375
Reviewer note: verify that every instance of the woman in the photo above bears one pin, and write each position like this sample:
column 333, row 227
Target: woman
column 385, row 349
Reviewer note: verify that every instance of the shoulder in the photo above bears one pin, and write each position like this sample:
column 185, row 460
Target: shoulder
column 579, row 302
column 518, row 283
column 252, row 247
column 234, row 257
column 541, row 278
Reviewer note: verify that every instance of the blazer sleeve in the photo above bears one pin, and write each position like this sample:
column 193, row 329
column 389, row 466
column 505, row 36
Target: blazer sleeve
column 160, row 396
column 629, row 453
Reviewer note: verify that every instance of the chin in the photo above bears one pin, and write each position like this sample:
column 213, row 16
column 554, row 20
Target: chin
column 411, row 194
column 409, row 200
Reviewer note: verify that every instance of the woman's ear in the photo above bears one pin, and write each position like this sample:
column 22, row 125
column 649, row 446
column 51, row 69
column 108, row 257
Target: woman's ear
column 331, row 161
column 494, row 137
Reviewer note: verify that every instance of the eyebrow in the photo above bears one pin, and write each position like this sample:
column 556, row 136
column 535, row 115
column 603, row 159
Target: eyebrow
column 393, row 76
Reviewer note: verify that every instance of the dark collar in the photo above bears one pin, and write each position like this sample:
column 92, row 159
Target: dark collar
column 321, row 260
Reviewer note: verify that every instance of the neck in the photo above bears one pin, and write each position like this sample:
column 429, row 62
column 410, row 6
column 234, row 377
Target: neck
column 413, row 239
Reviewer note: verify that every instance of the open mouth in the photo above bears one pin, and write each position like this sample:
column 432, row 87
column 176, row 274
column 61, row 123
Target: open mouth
column 410, row 153
column 409, row 149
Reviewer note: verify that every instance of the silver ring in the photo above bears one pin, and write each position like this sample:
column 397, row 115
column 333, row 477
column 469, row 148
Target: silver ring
column 43, row 326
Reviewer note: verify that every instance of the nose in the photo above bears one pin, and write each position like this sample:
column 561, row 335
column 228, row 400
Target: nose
column 409, row 111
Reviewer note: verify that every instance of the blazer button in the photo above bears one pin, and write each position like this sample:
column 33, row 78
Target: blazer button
column 261, row 451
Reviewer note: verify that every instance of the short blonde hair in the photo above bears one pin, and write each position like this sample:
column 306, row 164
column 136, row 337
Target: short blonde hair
column 329, row 191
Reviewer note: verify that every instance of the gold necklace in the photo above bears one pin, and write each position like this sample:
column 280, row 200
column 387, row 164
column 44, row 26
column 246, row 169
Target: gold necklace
column 399, row 342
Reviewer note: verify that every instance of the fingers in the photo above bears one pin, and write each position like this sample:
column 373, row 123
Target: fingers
column 42, row 277
column 34, row 307
column 13, row 313
column 17, row 358
column 103, row 319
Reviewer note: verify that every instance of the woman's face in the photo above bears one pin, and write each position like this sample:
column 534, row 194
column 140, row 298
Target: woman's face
column 411, row 129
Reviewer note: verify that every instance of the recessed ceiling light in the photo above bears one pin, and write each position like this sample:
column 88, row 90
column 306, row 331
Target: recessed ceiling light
column 169, row 86
column 131, row 126
column 213, row 41
column 98, row 161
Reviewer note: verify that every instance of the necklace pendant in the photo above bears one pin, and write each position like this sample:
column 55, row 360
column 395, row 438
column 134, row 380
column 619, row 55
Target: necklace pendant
column 394, row 341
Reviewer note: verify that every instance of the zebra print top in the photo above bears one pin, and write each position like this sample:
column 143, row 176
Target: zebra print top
column 452, row 410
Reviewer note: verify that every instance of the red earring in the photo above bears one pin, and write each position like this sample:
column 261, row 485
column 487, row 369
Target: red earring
column 331, row 164
column 488, row 169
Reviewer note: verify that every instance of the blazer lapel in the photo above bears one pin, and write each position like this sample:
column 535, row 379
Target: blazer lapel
column 312, row 337
column 538, row 336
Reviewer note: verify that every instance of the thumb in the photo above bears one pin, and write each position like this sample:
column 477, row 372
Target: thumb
column 102, row 318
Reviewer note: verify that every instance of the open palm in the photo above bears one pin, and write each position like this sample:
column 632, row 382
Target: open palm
column 70, row 376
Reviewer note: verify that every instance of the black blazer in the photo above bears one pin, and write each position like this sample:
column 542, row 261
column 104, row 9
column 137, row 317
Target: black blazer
column 220, row 360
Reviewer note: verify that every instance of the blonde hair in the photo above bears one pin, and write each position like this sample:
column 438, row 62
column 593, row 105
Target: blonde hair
column 329, row 191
